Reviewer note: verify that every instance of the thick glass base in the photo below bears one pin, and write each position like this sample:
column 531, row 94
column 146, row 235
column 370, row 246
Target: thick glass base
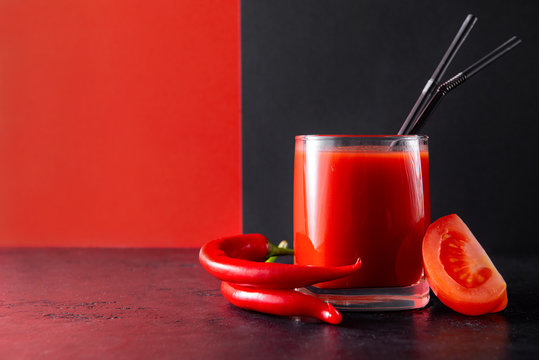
column 415, row 296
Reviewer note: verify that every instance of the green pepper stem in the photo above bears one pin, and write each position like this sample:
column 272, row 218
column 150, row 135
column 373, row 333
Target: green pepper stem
column 281, row 249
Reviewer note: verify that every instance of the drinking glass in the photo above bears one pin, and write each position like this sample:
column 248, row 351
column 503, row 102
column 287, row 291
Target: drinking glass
column 366, row 197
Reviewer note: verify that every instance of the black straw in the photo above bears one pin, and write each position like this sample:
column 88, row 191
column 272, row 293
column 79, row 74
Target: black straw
column 432, row 83
column 490, row 57
column 459, row 79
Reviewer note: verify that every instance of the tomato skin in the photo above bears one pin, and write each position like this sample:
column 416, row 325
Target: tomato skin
column 488, row 294
column 502, row 304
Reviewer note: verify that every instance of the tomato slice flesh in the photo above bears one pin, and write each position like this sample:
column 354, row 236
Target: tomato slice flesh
column 459, row 271
column 461, row 267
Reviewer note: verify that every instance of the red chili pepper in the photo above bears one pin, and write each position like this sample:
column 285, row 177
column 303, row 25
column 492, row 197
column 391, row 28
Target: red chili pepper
column 280, row 302
column 238, row 259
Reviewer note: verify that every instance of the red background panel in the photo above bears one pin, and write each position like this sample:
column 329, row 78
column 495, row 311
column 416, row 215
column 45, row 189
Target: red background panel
column 119, row 122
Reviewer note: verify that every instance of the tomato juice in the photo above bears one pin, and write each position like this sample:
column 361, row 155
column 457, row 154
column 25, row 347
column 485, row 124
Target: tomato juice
column 367, row 201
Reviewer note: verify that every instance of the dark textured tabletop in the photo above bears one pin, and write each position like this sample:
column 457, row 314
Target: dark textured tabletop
column 161, row 304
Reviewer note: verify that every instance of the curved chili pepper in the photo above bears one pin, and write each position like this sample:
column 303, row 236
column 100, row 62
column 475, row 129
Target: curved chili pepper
column 237, row 259
column 255, row 247
column 280, row 302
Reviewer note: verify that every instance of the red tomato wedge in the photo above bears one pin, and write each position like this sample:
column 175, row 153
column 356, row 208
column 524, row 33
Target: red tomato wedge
column 459, row 271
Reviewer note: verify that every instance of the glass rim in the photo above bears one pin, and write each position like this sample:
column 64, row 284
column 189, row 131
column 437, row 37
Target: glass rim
column 343, row 136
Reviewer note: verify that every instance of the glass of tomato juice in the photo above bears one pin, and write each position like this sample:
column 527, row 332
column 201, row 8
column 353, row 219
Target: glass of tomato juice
column 366, row 197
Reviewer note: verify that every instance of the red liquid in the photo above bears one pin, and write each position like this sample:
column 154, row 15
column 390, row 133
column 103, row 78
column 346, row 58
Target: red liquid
column 369, row 204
